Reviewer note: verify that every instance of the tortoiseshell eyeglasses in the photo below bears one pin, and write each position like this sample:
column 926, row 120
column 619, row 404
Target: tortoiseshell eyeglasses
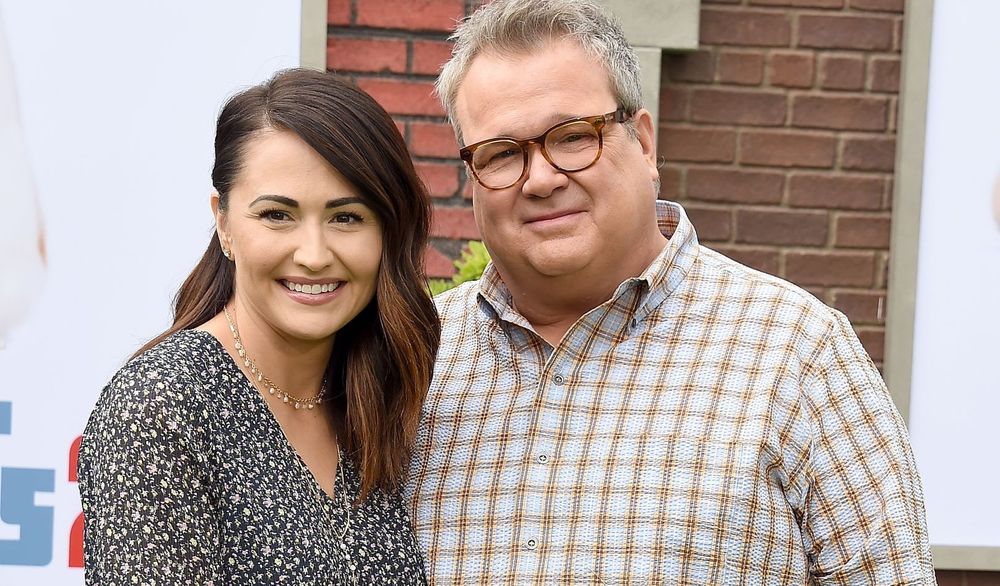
column 570, row 146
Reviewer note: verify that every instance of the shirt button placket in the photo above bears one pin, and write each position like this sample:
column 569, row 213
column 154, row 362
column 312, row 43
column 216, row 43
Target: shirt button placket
column 539, row 474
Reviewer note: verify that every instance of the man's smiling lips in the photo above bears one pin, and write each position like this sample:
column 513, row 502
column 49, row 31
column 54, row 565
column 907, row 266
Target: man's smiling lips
column 552, row 218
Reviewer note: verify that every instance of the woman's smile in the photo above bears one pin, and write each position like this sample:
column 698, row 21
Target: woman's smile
column 315, row 293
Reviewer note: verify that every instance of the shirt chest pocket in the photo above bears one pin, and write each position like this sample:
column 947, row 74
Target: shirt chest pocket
column 665, row 512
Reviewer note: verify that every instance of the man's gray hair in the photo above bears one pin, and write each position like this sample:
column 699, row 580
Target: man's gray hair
column 512, row 27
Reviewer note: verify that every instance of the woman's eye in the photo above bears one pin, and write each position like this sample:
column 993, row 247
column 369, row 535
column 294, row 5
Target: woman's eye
column 274, row 215
column 346, row 218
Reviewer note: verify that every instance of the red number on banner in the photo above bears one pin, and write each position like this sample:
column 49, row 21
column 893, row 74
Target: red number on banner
column 76, row 533
column 76, row 543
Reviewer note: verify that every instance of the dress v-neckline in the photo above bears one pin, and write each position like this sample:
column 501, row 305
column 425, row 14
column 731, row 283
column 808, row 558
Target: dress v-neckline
column 258, row 402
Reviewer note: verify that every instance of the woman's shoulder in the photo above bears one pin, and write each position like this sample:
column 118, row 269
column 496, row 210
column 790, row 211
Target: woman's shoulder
column 179, row 350
column 154, row 410
column 165, row 380
column 182, row 356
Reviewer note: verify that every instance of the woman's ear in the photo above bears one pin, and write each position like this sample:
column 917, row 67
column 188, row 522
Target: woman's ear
column 221, row 225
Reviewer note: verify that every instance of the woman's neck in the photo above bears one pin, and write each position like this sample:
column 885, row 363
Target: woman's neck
column 296, row 366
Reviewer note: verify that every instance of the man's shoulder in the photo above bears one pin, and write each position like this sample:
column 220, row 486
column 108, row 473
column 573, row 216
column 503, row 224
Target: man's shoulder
column 457, row 302
column 719, row 275
column 466, row 320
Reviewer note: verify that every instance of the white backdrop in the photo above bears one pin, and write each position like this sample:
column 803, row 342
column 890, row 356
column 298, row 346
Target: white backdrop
column 118, row 103
column 955, row 392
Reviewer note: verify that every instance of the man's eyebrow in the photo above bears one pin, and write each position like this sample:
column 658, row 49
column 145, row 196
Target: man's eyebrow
column 549, row 121
column 287, row 201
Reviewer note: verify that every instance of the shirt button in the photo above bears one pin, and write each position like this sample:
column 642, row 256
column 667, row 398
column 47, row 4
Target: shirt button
column 542, row 458
column 531, row 544
column 559, row 379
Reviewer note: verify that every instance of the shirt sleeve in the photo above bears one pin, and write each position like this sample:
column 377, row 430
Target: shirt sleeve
column 864, row 520
column 149, row 517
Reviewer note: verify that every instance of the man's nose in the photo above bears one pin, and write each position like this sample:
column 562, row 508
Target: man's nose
column 542, row 177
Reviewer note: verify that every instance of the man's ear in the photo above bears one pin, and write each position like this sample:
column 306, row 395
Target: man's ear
column 642, row 120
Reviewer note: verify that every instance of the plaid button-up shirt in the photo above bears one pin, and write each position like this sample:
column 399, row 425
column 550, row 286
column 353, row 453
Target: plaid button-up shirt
column 709, row 424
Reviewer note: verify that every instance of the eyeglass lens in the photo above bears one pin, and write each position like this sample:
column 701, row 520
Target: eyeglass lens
column 569, row 147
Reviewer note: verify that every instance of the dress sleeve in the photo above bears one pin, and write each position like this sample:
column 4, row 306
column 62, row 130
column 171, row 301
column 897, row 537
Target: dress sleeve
column 864, row 520
column 149, row 517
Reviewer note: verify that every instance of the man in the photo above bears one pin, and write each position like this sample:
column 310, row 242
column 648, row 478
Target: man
column 613, row 403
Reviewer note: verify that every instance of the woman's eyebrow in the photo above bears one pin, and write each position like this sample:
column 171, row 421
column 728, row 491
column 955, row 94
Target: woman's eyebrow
column 287, row 201
column 283, row 200
column 343, row 201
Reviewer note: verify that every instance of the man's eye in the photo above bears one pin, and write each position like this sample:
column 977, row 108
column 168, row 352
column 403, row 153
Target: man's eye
column 573, row 137
column 503, row 156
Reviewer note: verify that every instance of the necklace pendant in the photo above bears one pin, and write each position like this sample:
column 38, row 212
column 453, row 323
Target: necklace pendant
column 265, row 383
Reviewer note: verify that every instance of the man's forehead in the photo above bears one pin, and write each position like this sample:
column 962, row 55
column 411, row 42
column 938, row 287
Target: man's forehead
column 513, row 125
column 531, row 104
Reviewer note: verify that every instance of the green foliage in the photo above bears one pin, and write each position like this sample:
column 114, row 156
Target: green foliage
column 470, row 267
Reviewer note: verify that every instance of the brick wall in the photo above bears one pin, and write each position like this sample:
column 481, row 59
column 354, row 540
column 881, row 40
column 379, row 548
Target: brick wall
column 779, row 139
column 393, row 49
column 778, row 134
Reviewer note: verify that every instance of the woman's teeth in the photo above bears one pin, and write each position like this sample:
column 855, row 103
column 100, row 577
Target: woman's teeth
column 310, row 289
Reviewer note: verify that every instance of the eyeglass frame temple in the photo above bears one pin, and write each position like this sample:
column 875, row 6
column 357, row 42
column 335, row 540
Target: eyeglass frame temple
column 598, row 122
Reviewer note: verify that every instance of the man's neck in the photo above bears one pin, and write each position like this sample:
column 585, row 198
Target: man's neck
column 553, row 304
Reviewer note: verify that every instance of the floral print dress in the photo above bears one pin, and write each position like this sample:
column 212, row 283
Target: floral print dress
column 187, row 478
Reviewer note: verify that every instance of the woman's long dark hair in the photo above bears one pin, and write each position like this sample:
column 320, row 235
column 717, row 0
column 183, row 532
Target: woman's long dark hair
column 382, row 360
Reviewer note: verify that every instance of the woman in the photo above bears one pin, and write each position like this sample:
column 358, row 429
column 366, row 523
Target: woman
column 260, row 440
